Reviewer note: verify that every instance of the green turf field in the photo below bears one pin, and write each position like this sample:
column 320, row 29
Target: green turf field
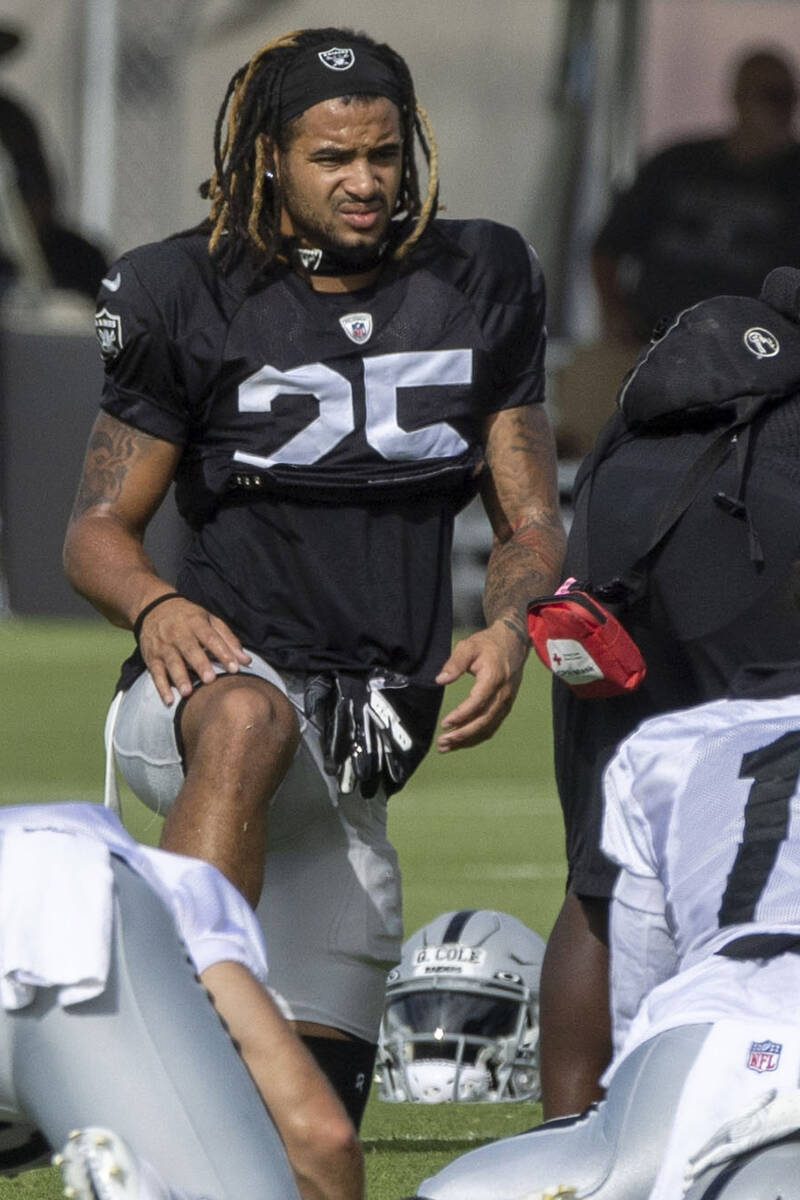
column 476, row 829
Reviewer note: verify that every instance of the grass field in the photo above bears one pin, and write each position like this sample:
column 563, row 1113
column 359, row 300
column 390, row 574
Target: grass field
column 475, row 829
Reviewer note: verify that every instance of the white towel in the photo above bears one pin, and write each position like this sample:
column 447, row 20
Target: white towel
column 55, row 916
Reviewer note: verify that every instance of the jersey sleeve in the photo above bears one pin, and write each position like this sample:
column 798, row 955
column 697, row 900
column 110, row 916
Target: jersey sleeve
column 218, row 924
column 514, row 329
column 142, row 386
column 627, row 835
column 500, row 278
column 642, row 950
column 213, row 918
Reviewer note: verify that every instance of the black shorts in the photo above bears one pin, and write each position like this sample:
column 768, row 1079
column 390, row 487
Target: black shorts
column 708, row 608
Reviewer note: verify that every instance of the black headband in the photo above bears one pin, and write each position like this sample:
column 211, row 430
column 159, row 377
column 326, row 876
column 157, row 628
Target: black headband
column 324, row 72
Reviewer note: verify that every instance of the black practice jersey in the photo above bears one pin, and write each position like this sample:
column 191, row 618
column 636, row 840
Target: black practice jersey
column 328, row 440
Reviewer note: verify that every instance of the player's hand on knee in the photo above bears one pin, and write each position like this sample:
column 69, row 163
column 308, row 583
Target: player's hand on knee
column 495, row 656
column 181, row 640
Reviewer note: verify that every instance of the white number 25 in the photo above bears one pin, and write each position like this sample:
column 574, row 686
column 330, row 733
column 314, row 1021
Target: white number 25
column 384, row 375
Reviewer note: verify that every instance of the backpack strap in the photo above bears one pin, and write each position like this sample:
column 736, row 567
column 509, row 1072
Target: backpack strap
column 630, row 585
column 737, row 505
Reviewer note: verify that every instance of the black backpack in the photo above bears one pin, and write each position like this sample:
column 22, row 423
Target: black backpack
column 715, row 367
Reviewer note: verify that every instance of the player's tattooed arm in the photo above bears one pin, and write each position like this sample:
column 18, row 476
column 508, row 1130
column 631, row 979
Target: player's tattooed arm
column 520, row 493
column 113, row 449
column 125, row 478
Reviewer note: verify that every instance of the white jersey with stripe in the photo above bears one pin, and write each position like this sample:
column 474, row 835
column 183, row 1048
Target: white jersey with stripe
column 213, row 919
column 701, row 813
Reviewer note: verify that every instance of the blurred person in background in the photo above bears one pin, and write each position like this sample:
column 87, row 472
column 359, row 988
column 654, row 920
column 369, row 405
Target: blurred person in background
column 71, row 261
column 709, row 216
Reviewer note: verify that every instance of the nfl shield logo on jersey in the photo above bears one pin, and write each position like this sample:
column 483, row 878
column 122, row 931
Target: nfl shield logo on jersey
column 108, row 327
column 357, row 326
column 764, row 1056
column 337, row 59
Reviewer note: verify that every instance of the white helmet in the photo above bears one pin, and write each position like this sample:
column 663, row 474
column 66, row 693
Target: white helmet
column 461, row 1019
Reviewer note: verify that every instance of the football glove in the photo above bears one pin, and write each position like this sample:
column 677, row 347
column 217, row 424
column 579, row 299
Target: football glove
column 365, row 741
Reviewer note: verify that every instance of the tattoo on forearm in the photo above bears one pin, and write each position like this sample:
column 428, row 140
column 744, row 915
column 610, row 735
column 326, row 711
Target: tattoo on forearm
column 521, row 567
column 108, row 459
column 521, row 499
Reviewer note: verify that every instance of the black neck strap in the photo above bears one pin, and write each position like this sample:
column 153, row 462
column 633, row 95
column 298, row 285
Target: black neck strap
column 328, row 262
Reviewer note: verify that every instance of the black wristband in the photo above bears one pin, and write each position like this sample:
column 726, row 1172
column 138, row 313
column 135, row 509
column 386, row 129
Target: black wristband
column 137, row 624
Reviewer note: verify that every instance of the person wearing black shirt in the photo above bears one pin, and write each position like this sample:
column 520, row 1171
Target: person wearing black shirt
column 709, row 216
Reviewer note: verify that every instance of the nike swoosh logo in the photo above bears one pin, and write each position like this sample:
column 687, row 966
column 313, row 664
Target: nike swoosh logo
column 112, row 284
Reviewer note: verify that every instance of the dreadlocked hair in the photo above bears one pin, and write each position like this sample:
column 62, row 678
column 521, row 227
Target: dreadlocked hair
column 245, row 203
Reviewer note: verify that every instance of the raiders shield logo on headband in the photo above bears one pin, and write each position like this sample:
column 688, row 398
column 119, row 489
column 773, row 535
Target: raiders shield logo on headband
column 337, row 59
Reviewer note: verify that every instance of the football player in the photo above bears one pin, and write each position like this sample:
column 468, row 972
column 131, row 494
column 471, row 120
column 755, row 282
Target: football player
column 109, row 951
column 702, row 816
column 740, row 525
column 327, row 373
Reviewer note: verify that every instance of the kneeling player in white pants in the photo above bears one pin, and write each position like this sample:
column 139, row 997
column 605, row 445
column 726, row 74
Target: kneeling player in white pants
column 702, row 813
column 104, row 1022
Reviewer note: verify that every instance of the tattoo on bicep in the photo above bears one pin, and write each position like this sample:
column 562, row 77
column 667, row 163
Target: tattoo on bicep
column 108, row 459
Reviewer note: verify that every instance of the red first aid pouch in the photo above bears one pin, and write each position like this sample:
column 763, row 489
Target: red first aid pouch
column 583, row 644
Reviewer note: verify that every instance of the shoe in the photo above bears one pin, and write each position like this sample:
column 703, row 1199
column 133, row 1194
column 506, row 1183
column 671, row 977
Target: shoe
column 21, row 1147
column 97, row 1164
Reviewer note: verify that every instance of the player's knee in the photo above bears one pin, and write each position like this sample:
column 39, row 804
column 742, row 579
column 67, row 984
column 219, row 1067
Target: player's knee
column 247, row 714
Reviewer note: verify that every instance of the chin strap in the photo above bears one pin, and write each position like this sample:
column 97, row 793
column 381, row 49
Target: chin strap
column 309, row 261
